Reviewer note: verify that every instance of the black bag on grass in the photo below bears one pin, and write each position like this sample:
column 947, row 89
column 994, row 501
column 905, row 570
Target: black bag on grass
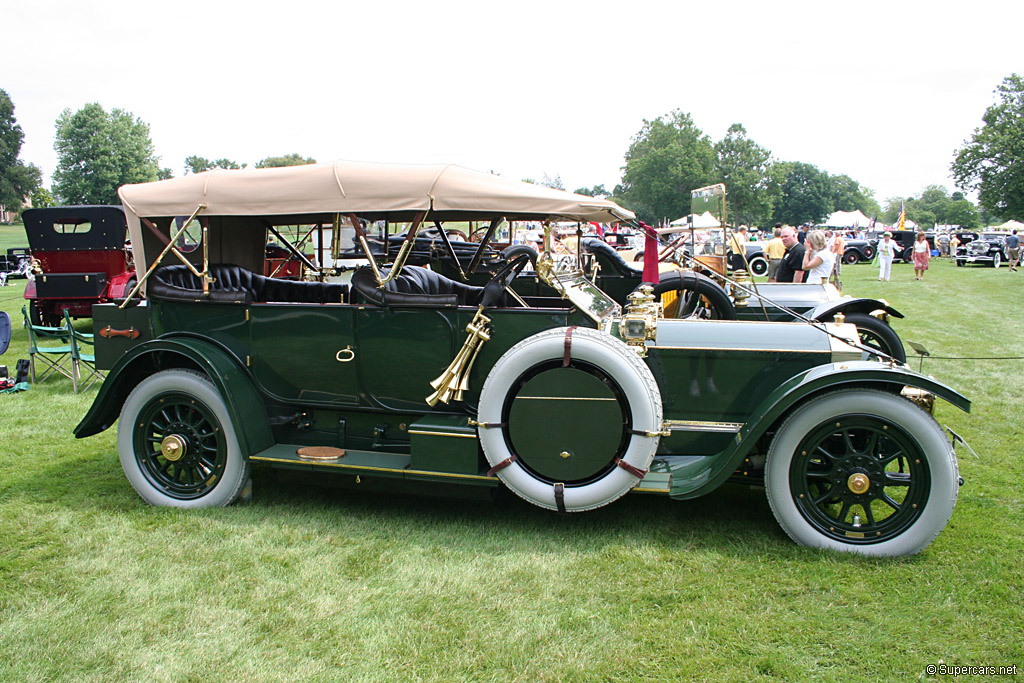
column 21, row 375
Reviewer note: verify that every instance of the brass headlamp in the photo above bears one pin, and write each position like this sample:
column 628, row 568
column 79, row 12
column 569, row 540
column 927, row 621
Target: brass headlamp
column 640, row 321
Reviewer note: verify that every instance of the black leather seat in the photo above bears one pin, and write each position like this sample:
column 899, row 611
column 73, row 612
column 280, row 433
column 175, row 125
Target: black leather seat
column 414, row 286
column 610, row 260
column 234, row 284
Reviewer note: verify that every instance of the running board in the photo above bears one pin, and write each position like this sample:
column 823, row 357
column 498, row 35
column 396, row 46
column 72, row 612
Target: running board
column 397, row 465
column 361, row 462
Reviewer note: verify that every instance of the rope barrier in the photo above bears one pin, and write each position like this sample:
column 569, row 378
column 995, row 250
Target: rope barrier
column 975, row 357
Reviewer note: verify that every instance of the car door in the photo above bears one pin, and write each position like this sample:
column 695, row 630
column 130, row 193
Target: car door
column 304, row 353
column 399, row 351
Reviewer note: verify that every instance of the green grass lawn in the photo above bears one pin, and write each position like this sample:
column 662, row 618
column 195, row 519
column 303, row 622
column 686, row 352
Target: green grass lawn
column 12, row 236
column 313, row 583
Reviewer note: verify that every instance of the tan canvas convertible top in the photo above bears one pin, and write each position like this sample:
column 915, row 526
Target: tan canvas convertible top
column 238, row 205
column 392, row 190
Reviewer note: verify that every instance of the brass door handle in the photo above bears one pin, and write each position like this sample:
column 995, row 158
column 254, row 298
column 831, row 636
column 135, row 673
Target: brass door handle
column 345, row 355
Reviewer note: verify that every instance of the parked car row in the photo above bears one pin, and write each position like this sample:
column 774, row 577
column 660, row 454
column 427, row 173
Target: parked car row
column 988, row 249
column 670, row 390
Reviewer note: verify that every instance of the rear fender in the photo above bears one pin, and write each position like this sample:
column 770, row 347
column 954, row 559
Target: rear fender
column 244, row 403
column 824, row 312
column 788, row 396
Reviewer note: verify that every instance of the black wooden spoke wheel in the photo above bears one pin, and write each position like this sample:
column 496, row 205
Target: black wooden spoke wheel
column 695, row 296
column 877, row 334
column 864, row 471
column 860, row 479
column 177, row 443
column 44, row 314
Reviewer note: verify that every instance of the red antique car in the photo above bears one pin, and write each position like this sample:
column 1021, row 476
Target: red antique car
column 79, row 258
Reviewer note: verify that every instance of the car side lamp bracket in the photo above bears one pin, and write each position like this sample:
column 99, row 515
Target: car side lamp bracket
column 921, row 351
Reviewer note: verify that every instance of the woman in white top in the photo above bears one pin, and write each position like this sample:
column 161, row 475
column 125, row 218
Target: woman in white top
column 886, row 253
column 818, row 259
column 922, row 254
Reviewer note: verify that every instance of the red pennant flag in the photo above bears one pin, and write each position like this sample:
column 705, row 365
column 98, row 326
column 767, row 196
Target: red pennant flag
column 650, row 254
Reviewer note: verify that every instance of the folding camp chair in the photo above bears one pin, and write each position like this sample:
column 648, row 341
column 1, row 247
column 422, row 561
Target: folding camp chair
column 55, row 354
column 83, row 353
column 5, row 331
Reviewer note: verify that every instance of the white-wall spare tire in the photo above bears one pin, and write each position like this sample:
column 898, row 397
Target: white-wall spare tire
column 570, row 437
column 177, row 444
column 862, row 471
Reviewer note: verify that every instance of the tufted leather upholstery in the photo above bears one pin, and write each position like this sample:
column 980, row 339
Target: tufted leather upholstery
column 610, row 260
column 414, row 286
column 233, row 284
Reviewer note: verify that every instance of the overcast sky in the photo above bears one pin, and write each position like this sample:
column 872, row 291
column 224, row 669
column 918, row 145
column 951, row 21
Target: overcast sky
column 884, row 92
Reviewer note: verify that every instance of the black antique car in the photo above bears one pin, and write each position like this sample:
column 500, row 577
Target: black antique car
column 757, row 262
column 987, row 249
column 15, row 263
column 905, row 244
column 408, row 378
column 78, row 259
column 859, row 251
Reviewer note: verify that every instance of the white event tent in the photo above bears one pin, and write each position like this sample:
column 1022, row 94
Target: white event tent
column 704, row 220
column 848, row 219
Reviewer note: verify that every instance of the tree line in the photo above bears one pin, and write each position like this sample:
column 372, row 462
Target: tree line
column 670, row 156
column 99, row 150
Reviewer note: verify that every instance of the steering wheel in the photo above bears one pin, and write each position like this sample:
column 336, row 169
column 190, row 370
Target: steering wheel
column 502, row 280
column 478, row 234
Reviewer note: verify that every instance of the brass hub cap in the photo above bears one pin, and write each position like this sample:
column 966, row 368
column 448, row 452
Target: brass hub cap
column 859, row 483
column 173, row 447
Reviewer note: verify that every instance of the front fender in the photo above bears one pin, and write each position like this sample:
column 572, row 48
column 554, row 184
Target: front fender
column 827, row 310
column 785, row 399
column 244, row 403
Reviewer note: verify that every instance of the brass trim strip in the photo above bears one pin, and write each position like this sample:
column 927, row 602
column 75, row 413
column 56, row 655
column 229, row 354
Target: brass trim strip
column 461, row 436
column 452, row 475
column 370, row 468
column 704, row 426
column 562, row 398
column 736, row 348
column 639, row 489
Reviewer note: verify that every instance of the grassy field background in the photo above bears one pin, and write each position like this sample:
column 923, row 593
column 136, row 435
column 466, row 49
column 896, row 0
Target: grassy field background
column 12, row 236
column 312, row 583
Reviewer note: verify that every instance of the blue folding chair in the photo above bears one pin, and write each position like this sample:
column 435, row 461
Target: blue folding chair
column 54, row 351
column 5, row 331
column 83, row 353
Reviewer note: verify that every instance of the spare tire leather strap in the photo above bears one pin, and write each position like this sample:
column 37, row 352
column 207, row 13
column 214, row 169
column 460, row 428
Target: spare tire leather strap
column 502, row 465
column 560, row 496
column 567, row 356
column 635, row 471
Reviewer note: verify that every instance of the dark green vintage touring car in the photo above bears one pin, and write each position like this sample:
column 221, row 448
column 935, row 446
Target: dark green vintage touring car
column 405, row 375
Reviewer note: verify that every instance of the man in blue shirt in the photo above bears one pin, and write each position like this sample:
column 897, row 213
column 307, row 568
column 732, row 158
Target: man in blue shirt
column 1013, row 247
